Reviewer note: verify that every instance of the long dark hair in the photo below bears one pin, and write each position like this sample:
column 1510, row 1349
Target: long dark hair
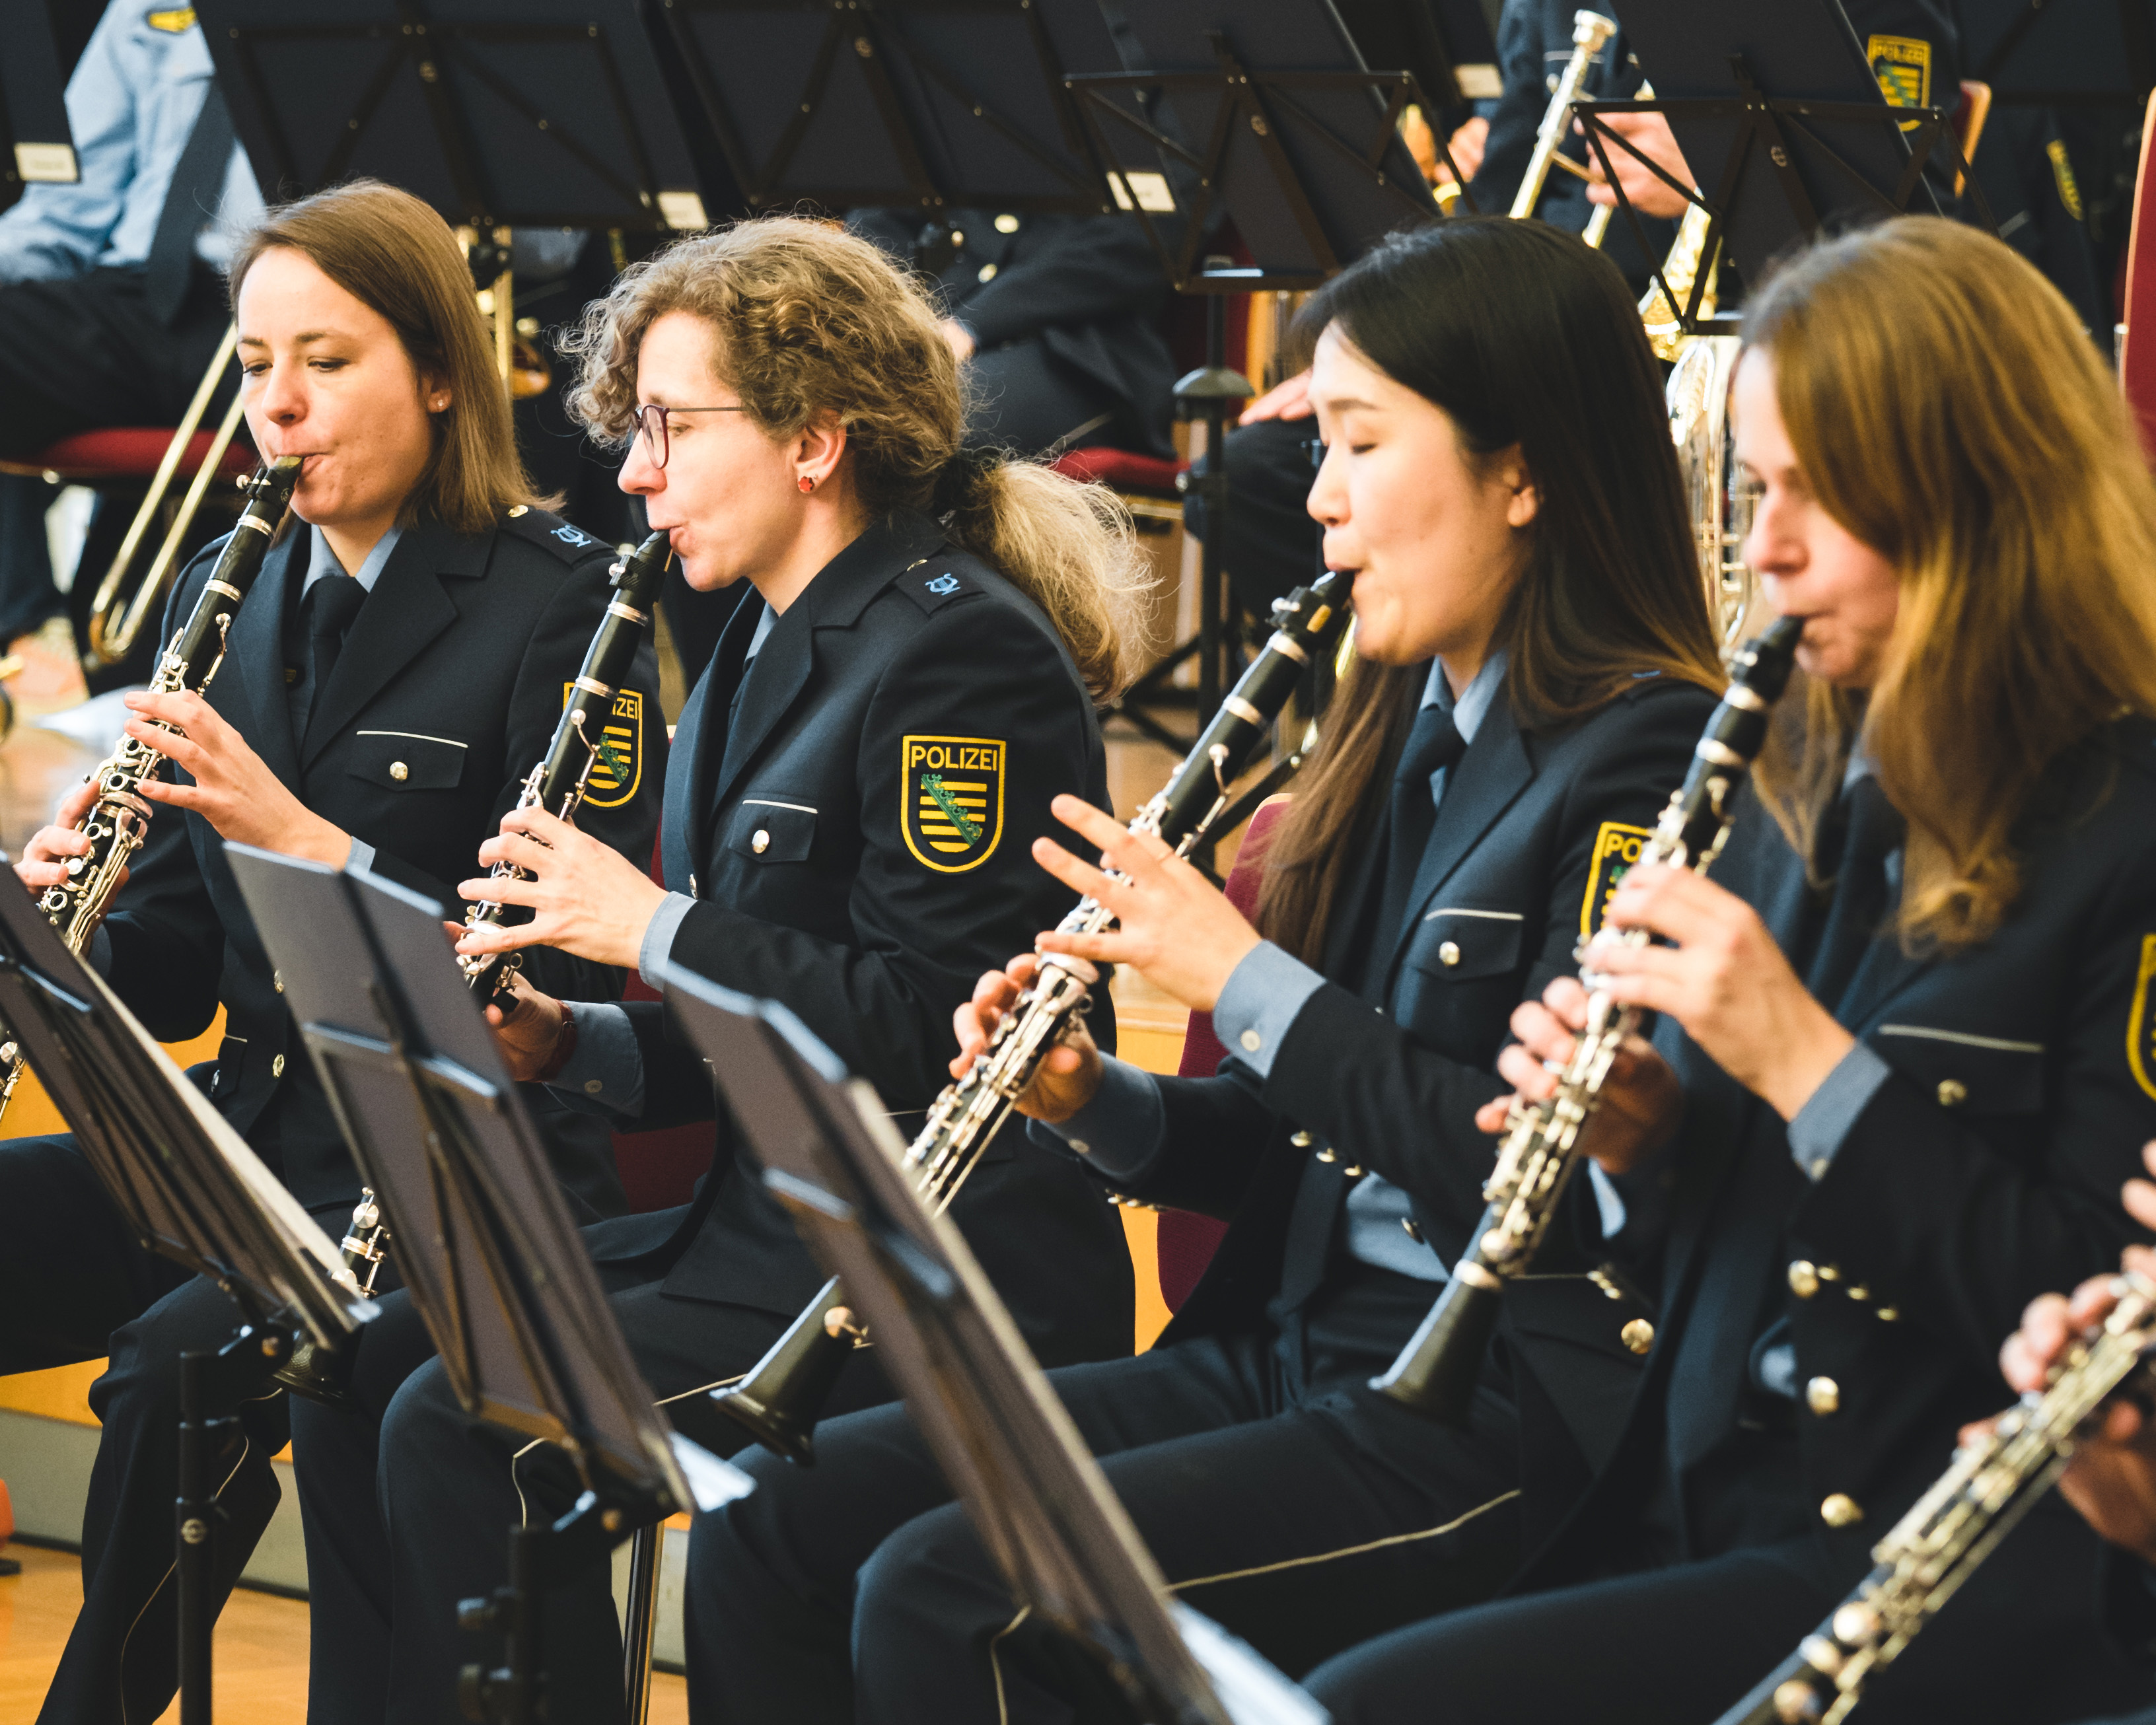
column 1521, row 335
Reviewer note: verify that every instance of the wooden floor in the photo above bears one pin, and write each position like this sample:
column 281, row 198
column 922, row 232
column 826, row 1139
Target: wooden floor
column 261, row 1659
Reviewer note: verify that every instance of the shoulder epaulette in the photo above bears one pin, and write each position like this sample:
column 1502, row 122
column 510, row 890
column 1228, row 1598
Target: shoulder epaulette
column 542, row 527
column 932, row 584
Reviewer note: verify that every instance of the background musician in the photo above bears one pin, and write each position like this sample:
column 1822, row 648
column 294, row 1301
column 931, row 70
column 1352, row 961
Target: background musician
column 396, row 670
column 906, row 680
column 1535, row 664
column 1898, row 1065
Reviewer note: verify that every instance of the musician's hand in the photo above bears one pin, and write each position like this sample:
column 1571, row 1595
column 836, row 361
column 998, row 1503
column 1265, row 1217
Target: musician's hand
column 1177, row 926
column 1642, row 1101
column 42, row 863
column 1071, row 1075
column 1467, row 144
column 588, row 898
column 1726, row 981
column 2111, row 1480
column 232, row 790
column 957, row 338
column 529, row 1032
column 1288, row 400
column 1651, row 134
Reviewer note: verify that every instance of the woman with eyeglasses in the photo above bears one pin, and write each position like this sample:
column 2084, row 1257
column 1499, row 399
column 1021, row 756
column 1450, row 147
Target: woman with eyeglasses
column 908, row 679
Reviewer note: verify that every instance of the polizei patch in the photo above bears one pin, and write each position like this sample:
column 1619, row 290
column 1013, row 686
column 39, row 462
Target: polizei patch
column 951, row 796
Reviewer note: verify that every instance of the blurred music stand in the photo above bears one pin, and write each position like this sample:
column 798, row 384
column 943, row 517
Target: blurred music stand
column 33, row 122
column 1038, row 1500
column 484, row 1240
column 1783, row 92
column 191, row 1190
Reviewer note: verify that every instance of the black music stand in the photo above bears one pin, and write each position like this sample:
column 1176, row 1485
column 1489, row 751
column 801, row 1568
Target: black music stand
column 191, row 1190
column 1782, row 92
column 33, row 122
column 1038, row 1500
column 515, row 113
column 485, row 1244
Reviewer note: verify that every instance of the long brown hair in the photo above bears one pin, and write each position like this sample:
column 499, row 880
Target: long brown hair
column 1520, row 336
column 392, row 253
column 809, row 319
column 1946, row 409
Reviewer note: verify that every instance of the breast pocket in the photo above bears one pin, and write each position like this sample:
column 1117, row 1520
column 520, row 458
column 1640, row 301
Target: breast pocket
column 407, row 761
column 1459, row 944
column 769, row 832
column 1968, row 1073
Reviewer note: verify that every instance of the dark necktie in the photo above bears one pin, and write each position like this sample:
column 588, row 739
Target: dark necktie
column 326, row 614
column 190, row 202
column 1435, row 741
column 1872, row 832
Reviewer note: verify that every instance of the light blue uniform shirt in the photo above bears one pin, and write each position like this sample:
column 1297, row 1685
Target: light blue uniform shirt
column 131, row 103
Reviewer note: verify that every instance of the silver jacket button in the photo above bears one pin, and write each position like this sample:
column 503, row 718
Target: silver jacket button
column 277, row 1067
column 1448, row 955
column 400, row 772
column 759, row 841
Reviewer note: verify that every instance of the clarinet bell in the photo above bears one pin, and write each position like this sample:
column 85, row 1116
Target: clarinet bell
column 777, row 1402
column 1436, row 1372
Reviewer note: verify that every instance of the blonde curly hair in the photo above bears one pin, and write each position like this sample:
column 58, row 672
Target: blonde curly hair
column 808, row 319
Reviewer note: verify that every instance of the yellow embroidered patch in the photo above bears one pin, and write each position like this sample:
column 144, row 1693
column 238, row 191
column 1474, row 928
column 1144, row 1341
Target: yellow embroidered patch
column 1616, row 849
column 1902, row 64
column 2140, row 1034
column 174, row 23
column 2062, row 171
column 618, row 767
column 951, row 800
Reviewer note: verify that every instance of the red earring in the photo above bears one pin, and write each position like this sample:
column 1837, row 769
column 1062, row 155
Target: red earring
column 806, row 483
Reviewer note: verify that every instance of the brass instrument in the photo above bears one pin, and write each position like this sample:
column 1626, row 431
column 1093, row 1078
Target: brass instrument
column 556, row 785
column 1590, row 32
column 114, row 626
column 1719, row 502
column 777, row 1401
column 1927, row 1555
column 116, row 822
column 1436, row 1371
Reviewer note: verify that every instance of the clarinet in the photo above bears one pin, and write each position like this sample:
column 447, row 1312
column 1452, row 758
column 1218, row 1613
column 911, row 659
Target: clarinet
column 1927, row 1555
column 1436, row 1371
column 118, row 822
column 556, row 785
column 777, row 1401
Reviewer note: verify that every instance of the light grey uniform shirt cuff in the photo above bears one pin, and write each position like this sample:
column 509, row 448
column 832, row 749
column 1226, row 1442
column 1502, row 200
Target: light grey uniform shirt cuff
column 361, row 857
column 659, row 934
column 1259, row 1002
column 1817, row 1133
column 1121, row 1131
column 605, row 1074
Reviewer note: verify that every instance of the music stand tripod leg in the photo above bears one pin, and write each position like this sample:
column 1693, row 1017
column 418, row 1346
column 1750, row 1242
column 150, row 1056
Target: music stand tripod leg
column 645, row 1551
column 212, row 1385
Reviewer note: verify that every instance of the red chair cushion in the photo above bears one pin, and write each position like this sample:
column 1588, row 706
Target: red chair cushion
column 659, row 1169
column 1187, row 1239
column 130, row 452
column 1122, row 471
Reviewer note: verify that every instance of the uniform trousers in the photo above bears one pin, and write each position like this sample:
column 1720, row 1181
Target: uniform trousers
column 74, row 1284
column 408, row 1505
column 2021, row 1642
column 1279, row 1494
column 1024, row 397
column 1272, row 545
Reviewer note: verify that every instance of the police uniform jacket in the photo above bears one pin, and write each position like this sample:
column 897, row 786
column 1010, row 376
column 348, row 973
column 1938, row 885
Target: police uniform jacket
column 1984, row 1171
column 1089, row 288
column 1533, row 829
column 445, row 695
column 857, row 836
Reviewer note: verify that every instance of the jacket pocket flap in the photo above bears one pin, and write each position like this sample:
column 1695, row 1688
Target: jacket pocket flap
column 1960, row 1070
column 406, row 761
column 1461, row 944
column 771, row 832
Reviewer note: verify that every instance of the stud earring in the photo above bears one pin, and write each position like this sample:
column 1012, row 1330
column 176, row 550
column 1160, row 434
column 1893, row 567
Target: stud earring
column 807, row 483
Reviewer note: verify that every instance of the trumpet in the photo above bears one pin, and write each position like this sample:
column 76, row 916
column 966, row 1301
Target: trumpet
column 1927, row 1556
column 1590, row 32
column 779, row 1400
column 557, row 783
column 1436, row 1371
column 118, row 821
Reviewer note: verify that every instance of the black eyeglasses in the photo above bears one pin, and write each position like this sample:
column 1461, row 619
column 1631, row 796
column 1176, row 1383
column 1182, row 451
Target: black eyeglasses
column 651, row 427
